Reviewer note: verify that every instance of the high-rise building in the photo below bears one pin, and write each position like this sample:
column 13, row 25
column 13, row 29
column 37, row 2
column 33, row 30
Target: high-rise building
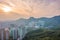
column 4, row 34
column 14, row 33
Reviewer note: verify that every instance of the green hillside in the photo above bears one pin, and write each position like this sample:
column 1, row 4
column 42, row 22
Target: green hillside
column 43, row 35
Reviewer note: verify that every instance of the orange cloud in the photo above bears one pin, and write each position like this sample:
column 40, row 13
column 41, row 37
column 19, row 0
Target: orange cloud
column 35, row 8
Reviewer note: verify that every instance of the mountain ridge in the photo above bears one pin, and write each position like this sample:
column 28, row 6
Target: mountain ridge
column 34, row 22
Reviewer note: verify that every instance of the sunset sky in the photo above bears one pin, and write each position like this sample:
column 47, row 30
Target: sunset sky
column 28, row 8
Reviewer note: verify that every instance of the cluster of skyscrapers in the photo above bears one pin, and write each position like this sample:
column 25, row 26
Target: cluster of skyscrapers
column 12, row 33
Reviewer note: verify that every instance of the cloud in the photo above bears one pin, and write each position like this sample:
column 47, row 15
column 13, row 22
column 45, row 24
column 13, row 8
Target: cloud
column 46, row 8
column 35, row 8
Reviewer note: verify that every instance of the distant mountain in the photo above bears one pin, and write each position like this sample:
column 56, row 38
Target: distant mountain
column 53, row 22
column 34, row 22
column 50, row 30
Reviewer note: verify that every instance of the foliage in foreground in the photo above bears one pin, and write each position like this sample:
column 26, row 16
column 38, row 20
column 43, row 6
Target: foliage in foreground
column 43, row 35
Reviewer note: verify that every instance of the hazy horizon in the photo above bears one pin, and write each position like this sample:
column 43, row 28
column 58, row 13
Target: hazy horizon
column 25, row 18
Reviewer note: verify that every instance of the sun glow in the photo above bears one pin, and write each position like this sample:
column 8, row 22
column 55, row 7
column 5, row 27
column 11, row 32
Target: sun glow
column 6, row 8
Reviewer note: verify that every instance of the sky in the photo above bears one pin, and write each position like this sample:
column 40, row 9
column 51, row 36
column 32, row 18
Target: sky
column 29, row 8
